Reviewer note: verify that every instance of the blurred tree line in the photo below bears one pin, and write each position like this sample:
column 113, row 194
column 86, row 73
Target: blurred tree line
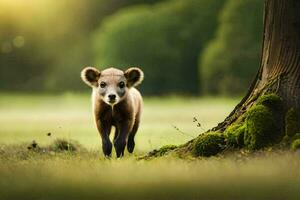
column 183, row 46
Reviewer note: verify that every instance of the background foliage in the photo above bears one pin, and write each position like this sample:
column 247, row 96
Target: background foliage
column 231, row 59
column 184, row 46
column 165, row 39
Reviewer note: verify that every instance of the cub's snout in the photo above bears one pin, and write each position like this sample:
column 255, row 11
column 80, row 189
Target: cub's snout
column 116, row 102
column 112, row 98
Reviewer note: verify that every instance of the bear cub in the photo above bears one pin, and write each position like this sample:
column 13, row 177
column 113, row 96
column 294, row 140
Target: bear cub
column 116, row 102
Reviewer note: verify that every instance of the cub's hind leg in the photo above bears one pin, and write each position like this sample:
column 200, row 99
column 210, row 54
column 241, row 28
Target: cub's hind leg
column 130, row 141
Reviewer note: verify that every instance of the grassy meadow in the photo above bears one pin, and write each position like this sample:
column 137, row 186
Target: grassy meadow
column 24, row 118
column 86, row 174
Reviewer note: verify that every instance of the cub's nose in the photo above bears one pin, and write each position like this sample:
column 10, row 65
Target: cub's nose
column 112, row 97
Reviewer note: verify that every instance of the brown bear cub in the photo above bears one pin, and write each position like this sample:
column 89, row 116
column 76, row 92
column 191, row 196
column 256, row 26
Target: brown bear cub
column 115, row 103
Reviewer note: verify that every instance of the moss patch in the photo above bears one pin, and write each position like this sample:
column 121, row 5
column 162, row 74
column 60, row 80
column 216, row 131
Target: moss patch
column 260, row 127
column 295, row 145
column 160, row 152
column 165, row 149
column 272, row 101
column 209, row 144
column 287, row 140
column 234, row 135
column 292, row 123
column 296, row 136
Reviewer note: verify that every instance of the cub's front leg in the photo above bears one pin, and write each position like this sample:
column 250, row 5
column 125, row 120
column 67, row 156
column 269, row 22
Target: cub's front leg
column 104, row 129
column 123, row 127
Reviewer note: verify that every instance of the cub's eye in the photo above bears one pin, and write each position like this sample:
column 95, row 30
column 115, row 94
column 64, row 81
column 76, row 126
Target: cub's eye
column 102, row 84
column 121, row 84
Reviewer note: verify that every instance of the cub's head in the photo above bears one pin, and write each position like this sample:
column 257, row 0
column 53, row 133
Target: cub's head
column 112, row 84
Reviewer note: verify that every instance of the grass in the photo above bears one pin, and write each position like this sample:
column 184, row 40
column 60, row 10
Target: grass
column 25, row 174
column 24, row 118
column 86, row 176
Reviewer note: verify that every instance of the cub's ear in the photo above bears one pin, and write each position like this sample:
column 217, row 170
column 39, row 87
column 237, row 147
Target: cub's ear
column 90, row 76
column 134, row 76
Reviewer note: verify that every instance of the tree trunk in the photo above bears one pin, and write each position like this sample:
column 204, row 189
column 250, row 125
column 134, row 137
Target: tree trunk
column 280, row 64
column 279, row 70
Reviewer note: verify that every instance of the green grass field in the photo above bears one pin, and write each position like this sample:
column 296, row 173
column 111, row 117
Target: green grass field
column 26, row 118
column 25, row 174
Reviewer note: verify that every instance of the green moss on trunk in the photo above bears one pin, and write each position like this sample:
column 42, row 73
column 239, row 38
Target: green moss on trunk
column 271, row 101
column 292, row 123
column 209, row 144
column 234, row 135
column 160, row 152
column 260, row 124
column 295, row 145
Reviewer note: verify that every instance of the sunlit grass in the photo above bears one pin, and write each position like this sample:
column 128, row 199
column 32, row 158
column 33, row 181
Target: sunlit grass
column 86, row 174
column 24, row 118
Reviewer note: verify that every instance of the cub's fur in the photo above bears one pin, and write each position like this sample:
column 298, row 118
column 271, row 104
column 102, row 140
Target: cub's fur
column 115, row 103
